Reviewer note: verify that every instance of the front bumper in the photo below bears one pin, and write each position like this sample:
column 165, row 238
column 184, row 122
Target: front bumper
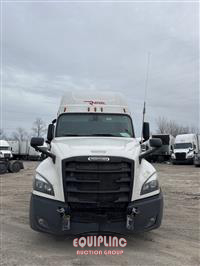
column 44, row 217
column 186, row 161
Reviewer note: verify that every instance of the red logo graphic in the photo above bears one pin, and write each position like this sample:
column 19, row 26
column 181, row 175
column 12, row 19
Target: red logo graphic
column 94, row 102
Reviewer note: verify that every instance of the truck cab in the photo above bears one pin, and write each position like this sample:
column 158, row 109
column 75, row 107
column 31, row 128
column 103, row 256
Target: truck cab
column 185, row 147
column 5, row 150
column 96, row 178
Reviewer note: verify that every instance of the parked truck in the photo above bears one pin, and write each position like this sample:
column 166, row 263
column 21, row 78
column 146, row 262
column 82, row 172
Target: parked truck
column 5, row 150
column 6, row 159
column 185, row 148
column 95, row 177
column 197, row 153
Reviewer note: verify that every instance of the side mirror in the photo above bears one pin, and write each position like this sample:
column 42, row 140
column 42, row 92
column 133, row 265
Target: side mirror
column 155, row 143
column 50, row 132
column 145, row 131
column 37, row 142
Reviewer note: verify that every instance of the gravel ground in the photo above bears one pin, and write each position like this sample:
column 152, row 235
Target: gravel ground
column 176, row 242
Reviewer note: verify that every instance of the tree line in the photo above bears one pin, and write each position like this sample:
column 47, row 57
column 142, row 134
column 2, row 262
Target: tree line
column 165, row 126
column 38, row 129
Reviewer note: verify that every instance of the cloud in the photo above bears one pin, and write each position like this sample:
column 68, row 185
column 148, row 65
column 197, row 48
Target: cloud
column 49, row 48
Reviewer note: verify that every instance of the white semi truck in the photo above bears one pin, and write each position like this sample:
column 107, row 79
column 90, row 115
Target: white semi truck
column 95, row 177
column 185, row 148
column 6, row 159
column 5, row 150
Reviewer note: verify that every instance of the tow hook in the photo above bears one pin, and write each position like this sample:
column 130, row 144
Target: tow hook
column 64, row 213
column 130, row 218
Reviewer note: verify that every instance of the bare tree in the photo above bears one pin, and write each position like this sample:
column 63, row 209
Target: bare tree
column 39, row 127
column 20, row 134
column 2, row 134
column 165, row 126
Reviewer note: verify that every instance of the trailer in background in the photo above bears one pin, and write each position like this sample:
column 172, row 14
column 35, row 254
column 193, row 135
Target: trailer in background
column 22, row 150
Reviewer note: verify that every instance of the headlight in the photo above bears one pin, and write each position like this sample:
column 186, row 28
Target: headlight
column 42, row 185
column 173, row 155
column 190, row 154
column 150, row 185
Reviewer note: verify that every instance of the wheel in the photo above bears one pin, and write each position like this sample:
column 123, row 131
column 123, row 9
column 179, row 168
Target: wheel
column 14, row 167
column 3, row 167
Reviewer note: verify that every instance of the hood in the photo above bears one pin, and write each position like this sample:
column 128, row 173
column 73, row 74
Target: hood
column 89, row 146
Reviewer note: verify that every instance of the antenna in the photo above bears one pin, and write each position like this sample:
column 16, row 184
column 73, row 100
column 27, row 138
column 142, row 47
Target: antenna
column 145, row 92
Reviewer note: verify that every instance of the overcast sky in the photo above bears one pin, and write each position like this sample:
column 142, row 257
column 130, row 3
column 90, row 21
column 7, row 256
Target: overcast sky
column 49, row 48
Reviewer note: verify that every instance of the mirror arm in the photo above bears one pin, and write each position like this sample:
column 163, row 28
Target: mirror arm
column 144, row 154
column 46, row 152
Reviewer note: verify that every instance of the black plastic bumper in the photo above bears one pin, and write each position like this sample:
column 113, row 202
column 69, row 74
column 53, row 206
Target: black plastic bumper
column 46, row 210
column 186, row 161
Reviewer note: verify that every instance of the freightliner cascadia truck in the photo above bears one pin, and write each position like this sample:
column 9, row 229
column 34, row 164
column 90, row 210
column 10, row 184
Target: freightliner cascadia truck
column 185, row 148
column 95, row 177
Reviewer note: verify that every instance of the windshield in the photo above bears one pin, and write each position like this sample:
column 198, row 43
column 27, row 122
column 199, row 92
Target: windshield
column 4, row 148
column 113, row 125
column 183, row 145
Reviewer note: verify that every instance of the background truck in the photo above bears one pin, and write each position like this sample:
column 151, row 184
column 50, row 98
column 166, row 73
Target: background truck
column 5, row 150
column 185, row 148
column 163, row 153
column 22, row 150
column 95, row 177
column 197, row 153
column 6, row 159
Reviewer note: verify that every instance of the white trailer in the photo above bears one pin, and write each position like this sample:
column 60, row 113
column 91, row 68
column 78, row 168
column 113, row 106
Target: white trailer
column 23, row 150
column 185, row 148
column 95, row 177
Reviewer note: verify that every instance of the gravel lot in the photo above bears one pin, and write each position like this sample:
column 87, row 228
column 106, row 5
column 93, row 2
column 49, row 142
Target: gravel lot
column 176, row 242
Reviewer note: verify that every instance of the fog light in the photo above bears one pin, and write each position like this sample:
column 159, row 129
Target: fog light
column 151, row 222
column 42, row 223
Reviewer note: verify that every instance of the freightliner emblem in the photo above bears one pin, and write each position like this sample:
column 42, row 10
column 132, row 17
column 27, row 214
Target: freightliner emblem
column 99, row 159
